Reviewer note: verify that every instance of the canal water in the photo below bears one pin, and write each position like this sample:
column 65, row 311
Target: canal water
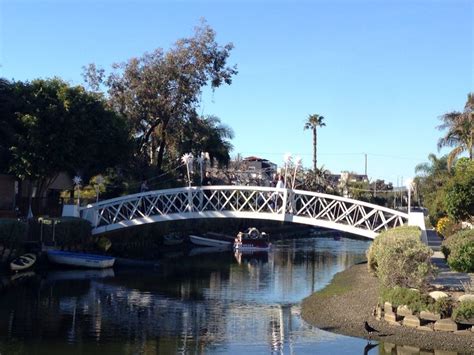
column 199, row 302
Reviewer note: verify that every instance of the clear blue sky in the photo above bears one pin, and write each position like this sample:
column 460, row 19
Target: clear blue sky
column 381, row 72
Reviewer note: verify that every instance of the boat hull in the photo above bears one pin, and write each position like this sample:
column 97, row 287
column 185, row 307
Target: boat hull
column 80, row 259
column 252, row 246
column 209, row 242
column 23, row 262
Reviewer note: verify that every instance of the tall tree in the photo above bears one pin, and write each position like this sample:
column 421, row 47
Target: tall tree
column 460, row 131
column 160, row 88
column 8, row 105
column 312, row 123
column 63, row 128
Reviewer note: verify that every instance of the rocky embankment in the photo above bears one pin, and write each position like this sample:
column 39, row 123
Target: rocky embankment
column 350, row 299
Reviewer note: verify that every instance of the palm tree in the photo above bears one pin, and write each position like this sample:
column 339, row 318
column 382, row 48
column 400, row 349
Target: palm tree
column 435, row 166
column 313, row 122
column 460, row 134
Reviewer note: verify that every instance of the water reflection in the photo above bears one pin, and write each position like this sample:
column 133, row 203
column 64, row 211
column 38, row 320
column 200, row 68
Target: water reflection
column 217, row 302
column 392, row 349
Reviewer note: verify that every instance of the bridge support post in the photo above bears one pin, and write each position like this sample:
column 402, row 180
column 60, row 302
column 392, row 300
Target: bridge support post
column 418, row 219
column 285, row 201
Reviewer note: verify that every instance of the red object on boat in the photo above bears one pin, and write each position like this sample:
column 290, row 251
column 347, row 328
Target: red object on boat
column 252, row 239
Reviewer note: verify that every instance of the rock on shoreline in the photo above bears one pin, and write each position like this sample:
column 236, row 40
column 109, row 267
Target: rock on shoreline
column 348, row 301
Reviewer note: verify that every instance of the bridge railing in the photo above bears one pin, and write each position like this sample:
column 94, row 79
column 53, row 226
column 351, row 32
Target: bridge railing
column 243, row 201
column 337, row 209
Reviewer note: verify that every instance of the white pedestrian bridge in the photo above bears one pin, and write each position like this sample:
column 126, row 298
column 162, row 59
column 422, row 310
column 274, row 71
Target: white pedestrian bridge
column 255, row 202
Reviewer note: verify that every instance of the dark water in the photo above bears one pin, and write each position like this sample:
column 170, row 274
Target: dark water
column 198, row 303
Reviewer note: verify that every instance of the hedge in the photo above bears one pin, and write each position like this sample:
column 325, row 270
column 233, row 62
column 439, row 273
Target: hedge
column 12, row 234
column 399, row 258
column 66, row 232
column 459, row 250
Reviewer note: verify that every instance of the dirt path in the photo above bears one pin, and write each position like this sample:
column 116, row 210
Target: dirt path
column 344, row 305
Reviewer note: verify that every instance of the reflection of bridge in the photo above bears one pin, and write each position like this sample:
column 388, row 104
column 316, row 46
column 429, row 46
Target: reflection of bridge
column 254, row 202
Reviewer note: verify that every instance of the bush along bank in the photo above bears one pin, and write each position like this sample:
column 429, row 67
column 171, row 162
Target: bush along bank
column 12, row 236
column 458, row 250
column 402, row 265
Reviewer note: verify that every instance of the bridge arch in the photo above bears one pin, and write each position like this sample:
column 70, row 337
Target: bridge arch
column 256, row 202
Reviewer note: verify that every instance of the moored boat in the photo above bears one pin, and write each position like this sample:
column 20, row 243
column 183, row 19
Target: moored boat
column 252, row 239
column 212, row 240
column 80, row 259
column 23, row 262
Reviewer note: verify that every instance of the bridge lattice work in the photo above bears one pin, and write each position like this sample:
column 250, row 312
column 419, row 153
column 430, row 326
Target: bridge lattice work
column 255, row 202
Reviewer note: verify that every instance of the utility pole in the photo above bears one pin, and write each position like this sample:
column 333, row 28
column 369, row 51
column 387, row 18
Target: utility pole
column 365, row 164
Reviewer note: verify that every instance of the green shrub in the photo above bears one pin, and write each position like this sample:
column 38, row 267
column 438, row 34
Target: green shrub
column 67, row 232
column 12, row 235
column 442, row 306
column 465, row 311
column 399, row 258
column 399, row 296
column 459, row 250
column 378, row 245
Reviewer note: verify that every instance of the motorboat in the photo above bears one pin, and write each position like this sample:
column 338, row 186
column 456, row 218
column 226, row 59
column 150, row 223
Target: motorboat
column 23, row 262
column 212, row 240
column 251, row 239
column 80, row 259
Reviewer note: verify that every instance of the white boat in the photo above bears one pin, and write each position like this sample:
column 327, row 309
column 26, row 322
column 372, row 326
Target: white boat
column 80, row 259
column 23, row 262
column 212, row 240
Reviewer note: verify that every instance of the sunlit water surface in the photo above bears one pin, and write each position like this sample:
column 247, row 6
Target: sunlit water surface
column 201, row 302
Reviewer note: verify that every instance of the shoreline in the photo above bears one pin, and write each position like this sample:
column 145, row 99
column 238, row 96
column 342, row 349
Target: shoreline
column 349, row 299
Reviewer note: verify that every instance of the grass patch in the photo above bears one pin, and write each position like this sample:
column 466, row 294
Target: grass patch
column 339, row 285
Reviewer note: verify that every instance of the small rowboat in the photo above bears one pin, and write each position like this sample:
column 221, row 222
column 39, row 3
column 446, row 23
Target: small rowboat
column 80, row 259
column 251, row 240
column 23, row 262
column 211, row 240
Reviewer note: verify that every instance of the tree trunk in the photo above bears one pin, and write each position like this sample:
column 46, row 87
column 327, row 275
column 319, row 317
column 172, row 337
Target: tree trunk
column 161, row 149
column 315, row 141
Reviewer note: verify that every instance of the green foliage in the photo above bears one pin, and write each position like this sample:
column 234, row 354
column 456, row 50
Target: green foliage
column 67, row 232
column 399, row 296
column 464, row 312
column 64, row 128
column 202, row 134
column 459, row 250
column 377, row 247
column 430, row 181
column 459, row 133
column 442, row 306
column 12, row 234
column 460, row 191
column 313, row 122
column 160, row 91
column 399, row 258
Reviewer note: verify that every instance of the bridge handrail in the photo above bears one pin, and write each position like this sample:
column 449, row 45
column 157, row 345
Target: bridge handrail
column 179, row 189
column 350, row 200
column 244, row 188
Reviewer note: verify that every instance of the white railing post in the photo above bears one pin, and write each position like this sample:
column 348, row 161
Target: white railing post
column 285, row 201
column 190, row 200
